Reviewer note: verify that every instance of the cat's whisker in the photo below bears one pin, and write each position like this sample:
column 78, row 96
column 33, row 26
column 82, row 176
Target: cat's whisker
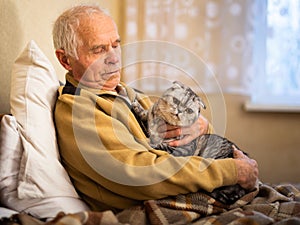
column 171, row 109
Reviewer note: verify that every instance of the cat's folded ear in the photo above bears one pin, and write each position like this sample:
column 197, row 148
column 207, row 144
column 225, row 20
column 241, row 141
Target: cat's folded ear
column 176, row 82
column 201, row 103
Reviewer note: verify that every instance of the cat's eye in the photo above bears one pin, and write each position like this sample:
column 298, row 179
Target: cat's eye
column 189, row 110
column 176, row 101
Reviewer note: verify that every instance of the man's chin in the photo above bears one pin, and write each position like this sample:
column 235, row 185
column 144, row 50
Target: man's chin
column 111, row 83
column 108, row 85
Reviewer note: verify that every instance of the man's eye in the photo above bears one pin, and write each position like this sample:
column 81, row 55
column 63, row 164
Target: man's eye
column 99, row 50
column 116, row 45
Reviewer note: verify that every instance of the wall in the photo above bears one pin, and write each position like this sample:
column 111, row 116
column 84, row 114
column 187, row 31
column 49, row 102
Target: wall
column 273, row 139
column 25, row 20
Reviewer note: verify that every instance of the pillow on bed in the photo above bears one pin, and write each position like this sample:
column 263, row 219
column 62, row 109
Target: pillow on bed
column 33, row 94
column 10, row 157
column 11, row 151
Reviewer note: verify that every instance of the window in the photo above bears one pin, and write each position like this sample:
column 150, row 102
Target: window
column 277, row 54
column 248, row 47
column 205, row 44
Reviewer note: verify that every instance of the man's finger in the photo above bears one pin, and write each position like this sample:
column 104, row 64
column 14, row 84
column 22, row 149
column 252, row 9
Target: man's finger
column 172, row 133
column 187, row 139
column 238, row 153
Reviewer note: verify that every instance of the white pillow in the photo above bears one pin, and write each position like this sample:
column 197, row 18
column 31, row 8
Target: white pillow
column 10, row 157
column 11, row 151
column 33, row 94
column 4, row 212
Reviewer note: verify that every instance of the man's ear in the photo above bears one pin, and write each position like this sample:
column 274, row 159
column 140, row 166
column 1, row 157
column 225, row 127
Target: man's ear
column 63, row 59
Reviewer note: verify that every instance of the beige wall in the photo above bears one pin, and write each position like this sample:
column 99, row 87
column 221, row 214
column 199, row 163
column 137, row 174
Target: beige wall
column 22, row 21
column 273, row 139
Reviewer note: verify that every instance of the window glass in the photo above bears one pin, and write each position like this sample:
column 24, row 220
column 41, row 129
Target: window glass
column 281, row 74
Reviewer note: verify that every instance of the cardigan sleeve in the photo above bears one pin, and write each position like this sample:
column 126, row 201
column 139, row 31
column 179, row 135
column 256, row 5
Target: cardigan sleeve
column 100, row 140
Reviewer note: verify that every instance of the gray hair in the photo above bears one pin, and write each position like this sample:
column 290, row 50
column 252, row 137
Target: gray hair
column 64, row 31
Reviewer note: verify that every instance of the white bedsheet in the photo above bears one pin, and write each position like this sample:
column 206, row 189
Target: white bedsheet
column 5, row 212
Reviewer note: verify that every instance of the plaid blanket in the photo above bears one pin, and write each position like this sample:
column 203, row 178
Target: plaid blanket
column 267, row 204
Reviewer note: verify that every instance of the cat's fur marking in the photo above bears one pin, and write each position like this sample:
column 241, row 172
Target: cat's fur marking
column 180, row 106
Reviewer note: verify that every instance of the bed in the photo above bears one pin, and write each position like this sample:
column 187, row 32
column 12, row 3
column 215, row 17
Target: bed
column 36, row 189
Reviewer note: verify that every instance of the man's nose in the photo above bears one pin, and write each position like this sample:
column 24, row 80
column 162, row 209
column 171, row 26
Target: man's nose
column 112, row 57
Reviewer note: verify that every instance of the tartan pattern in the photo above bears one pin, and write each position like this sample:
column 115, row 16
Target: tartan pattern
column 267, row 204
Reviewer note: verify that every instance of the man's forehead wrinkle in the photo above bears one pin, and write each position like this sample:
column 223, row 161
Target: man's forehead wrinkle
column 104, row 39
column 108, row 30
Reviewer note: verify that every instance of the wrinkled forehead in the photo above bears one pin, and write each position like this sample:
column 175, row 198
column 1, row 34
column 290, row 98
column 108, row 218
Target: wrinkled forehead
column 98, row 28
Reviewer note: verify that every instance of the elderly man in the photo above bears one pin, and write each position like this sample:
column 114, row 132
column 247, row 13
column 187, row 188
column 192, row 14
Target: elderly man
column 103, row 147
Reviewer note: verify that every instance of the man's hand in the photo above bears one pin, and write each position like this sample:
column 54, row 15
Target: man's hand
column 185, row 134
column 247, row 170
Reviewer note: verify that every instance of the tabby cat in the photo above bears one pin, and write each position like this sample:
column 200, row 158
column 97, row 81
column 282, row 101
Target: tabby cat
column 181, row 106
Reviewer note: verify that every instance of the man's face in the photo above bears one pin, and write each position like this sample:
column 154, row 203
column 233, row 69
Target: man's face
column 99, row 56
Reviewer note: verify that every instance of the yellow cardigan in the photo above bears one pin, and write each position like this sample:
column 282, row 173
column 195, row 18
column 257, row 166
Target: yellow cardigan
column 108, row 157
